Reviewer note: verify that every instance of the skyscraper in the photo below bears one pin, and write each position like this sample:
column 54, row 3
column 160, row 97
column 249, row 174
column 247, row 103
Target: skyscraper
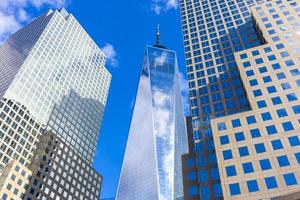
column 258, row 151
column 157, row 136
column 52, row 77
column 215, row 33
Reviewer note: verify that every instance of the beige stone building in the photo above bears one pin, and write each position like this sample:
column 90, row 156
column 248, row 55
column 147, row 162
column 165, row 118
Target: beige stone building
column 258, row 151
column 13, row 181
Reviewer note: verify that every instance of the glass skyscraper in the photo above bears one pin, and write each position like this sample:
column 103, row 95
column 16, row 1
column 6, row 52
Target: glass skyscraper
column 244, row 110
column 52, row 77
column 157, row 136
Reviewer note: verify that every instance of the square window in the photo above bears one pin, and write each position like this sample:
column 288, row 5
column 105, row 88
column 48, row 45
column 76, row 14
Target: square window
column 271, row 130
column 224, row 139
column 257, row 92
column 259, row 61
column 250, row 73
column 252, row 186
column 294, row 141
column 266, row 116
column 246, row 64
column 239, row 136
column 271, row 182
column 261, row 104
column 236, row 123
column 251, row 119
column 271, row 89
column 296, row 109
column 265, row 164
column 267, row 79
column 253, row 82
column 285, row 86
column 289, row 63
column 221, row 126
column 260, row 148
column 287, row 126
column 243, row 56
column 234, row 189
column 276, row 100
column 290, row 179
column 276, row 144
column 255, row 133
column 291, row 97
column 227, row 154
column 255, row 53
column 282, row 112
column 243, row 151
column 283, row 161
column 297, row 156
column 280, row 76
column 230, row 171
column 262, row 70
column 276, row 66
column 248, row 167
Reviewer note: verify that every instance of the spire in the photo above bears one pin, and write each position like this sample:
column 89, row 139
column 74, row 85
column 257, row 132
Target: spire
column 158, row 38
column 158, row 35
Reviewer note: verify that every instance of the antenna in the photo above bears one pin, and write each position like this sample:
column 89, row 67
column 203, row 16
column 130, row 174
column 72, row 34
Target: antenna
column 158, row 35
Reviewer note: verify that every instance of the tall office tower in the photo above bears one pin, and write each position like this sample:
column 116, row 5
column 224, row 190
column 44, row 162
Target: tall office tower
column 52, row 77
column 59, row 172
column 249, row 145
column 258, row 151
column 157, row 137
column 212, row 31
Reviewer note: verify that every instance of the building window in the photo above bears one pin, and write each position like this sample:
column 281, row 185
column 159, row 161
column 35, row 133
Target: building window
column 230, row 171
column 239, row 136
column 234, row 189
column 282, row 112
column 261, row 104
column 266, row 116
column 236, row 123
column 276, row 144
column 260, row 148
column 290, row 179
column 287, row 126
column 271, row 130
column 271, row 182
column 224, row 139
column 221, row 126
column 227, row 154
column 255, row 133
column 283, row 161
column 294, row 141
column 265, row 164
column 251, row 119
column 252, row 186
column 243, row 151
column 248, row 167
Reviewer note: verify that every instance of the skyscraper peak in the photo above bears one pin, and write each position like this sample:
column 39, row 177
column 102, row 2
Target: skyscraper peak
column 157, row 44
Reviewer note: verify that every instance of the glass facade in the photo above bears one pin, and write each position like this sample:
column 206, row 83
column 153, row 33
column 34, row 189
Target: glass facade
column 157, row 136
column 54, row 69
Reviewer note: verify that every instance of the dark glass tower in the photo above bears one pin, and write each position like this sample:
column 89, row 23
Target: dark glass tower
column 212, row 31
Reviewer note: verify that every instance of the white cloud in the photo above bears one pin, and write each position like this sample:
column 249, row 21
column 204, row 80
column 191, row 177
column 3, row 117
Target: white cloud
column 163, row 5
column 111, row 55
column 184, row 93
column 14, row 13
column 161, row 60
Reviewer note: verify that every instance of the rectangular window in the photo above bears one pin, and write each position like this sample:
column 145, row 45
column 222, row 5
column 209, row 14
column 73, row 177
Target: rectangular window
column 248, row 167
column 271, row 182
column 290, row 179
column 283, row 161
column 252, row 186
column 265, row 164
column 234, row 189
column 276, row 144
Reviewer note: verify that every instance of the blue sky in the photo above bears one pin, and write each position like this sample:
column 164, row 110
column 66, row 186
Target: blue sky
column 123, row 28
